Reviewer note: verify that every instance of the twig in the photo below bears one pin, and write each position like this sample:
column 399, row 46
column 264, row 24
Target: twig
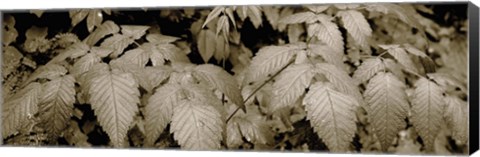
column 259, row 87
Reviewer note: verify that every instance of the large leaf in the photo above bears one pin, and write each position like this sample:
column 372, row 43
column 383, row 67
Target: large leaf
column 221, row 80
column 56, row 104
column 197, row 126
column 388, row 106
column 18, row 110
column 269, row 60
column 340, row 79
column 368, row 69
column 332, row 115
column 427, row 110
column 356, row 25
column 291, row 84
column 114, row 98
column 159, row 110
column 456, row 116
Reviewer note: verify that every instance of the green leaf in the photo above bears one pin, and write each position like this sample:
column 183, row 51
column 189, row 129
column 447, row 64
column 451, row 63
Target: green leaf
column 205, row 46
column 159, row 110
column 356, row 25
column 197, row 126
column 114, row 97
column 218, row 78
column 332, row 115
column 428, row 105
column 56, row 104
column 388, row 107
column 368, row 69
column 291, row 84
column 19, row 109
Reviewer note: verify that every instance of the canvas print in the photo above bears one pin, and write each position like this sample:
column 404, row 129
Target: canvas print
column 340, row 78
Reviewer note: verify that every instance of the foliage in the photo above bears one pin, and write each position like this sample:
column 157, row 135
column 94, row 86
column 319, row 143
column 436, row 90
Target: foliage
column 337, row 77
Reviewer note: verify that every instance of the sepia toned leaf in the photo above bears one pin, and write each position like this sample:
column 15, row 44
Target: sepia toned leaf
column 291, row 84
column 356, row 25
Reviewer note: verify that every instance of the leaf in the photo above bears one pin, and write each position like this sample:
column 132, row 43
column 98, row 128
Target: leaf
column 77, row 15
column 388, row 107
column 20, row 108
column 138, row 56
column 340, row 79
column 197, row 126
column 255, row 15
column 85, row 64
column 368, row 69
column 327, row 32
column 402, row 57
column 393, row 67
column 160, row 38
column 427, row 110
column 56, row 104
column 9, row 32
column 107, row 28
column 234, row 136
column 317, row 8
column 76, row 50
column 114, row 98
column 161, row 53
column 456, row 116
column 213, row 14
column 159, row 110
column 223, row 26
column 356, row 25
column 50, row 72
column 332, row 115
column 118, row 43
column 298, row 18
column 272, row 14
column 291, row 84
column 218, row 78
column 414, row 51
column 133, row 31
column 327, row 53
column 94, row 19
column 294, row 32
column 10, row 60
column 156, row 75
column 206, row 48
column 36, row 32
column 252, row 127
column 269, row 60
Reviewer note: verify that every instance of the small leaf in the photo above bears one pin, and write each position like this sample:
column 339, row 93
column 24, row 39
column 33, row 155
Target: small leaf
column 255, row 15
column 161, row 53
column 10, row 60
column 340, row 79
column 368, row 69
column 317, row 8
column 156, row 75
column 402, row 57
column 456, row 116
column 50, row 72
column 94, row 19
column 298, row 18
column 327, row 32
column 77, row 15
column 133, row 31
column 85, row 64
column 357, row 26
column 107, row 28
column 161, row 39
column 205, row 46
column 118, row 43
column 213, row 14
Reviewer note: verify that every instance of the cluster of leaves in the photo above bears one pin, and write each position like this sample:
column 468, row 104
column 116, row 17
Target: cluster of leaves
column 337, row 73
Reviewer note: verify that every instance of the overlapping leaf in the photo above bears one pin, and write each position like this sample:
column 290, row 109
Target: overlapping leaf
column 427, row 110
column 327, row 32
column 388, row 106
column 401, row 56
column 49, row 71
column 221, row 80
column 368, row 69
column 197, row 126
column 291, row 84
column 114, row 97
column 340, row 79
column 456, row 116
column 56, row 103
column 107, row 28
column 356, row 25
column 159, row 110
column 332, row 115
column 206, row 48
column 20, row 108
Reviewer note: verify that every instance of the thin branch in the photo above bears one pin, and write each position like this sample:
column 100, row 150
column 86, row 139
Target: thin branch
column 259, row 87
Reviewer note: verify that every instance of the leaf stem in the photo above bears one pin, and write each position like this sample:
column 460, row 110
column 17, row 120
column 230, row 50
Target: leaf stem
column 259, row 87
